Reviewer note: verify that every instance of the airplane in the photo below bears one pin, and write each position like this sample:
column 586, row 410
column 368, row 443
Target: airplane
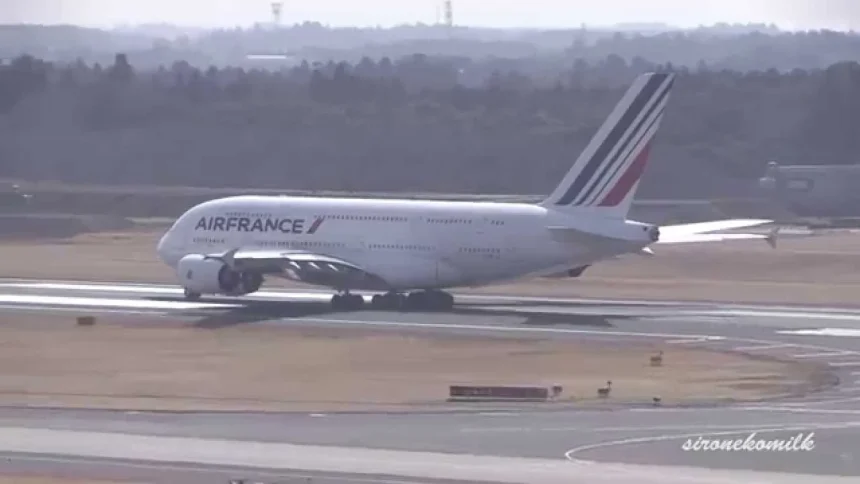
column 410, row 251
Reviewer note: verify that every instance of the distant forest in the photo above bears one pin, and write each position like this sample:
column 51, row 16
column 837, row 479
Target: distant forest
column 532, row 52
column 410, row 115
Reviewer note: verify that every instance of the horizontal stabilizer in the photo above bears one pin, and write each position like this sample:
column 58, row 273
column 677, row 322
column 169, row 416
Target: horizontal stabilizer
column 691, row 238
column 711, row 226
column 702, row 232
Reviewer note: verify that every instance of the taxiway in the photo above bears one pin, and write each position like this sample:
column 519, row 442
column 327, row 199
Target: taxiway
column 486, row 444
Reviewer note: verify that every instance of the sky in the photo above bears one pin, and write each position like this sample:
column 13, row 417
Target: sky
column 788, row 14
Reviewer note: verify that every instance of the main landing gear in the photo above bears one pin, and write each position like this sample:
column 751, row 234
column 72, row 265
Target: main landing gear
column 191, row 295
column 347, row 302
column 431, row 300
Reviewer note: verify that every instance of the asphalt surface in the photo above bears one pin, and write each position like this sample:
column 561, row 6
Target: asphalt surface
column 615, row 433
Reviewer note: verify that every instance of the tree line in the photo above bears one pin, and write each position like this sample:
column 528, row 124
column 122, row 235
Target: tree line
column 532, row 52
column 418, row 123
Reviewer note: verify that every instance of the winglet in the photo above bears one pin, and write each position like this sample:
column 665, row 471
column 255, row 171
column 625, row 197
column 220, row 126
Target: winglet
column 772, row 237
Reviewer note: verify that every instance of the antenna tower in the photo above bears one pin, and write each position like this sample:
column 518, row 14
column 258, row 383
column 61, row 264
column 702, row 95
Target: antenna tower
column 277, row 8
column 449, row 13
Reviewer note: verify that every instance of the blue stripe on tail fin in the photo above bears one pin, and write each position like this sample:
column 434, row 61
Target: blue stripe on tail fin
column 608, row 170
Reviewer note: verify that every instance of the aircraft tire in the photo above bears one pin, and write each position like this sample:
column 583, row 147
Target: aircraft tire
column 347, row 302
column 429, row 301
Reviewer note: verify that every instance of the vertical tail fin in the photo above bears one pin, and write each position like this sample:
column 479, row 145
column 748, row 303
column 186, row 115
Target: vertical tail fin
column 606, row 175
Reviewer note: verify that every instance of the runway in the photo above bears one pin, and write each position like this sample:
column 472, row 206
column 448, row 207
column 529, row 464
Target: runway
column 496, row 443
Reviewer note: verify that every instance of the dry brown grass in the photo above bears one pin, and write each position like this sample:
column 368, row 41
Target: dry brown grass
column 47, row 360
column 815, row 270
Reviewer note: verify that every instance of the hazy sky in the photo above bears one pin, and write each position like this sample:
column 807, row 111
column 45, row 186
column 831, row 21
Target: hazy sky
column 791, row 14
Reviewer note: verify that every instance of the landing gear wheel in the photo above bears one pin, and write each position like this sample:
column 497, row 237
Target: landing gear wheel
column 429, row 301
column 444, row 301
column 416, row 301
column 191, row 295
column 347, row 302
column 387, row 301
column 439, row 301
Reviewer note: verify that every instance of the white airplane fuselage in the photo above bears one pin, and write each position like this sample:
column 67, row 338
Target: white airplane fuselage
column 411, row 244
column 409, row 250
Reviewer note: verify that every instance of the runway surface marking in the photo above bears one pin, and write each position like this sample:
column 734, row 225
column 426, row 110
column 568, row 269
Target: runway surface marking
column 141, row 306
column 136, row 303
column 158, row 466
column 145, row 306
column 150, row 307
column 696, row 340
column 699, row 308
column 844, row 364
column 837, row 332
column 288, row 294
column 764, row 347
column 478, row 465
column 773, row 347
column 832, row 401
column 805, row 407
column 823, row 354
column 689, row 427
column 671, row 338
column 76, row 309
column 315, row 458
column 801, row 313
column 40, row 303
column 109, row 302
column 669, row 437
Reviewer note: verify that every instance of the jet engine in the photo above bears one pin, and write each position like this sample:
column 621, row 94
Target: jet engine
column 211, row 276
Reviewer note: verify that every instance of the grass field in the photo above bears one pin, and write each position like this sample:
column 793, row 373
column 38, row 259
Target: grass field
column 128, row 363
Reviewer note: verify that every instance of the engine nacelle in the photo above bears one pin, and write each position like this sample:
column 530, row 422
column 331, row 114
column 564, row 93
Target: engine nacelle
column 209, row 276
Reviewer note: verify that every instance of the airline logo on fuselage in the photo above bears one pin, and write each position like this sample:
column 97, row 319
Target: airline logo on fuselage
column 251, row 224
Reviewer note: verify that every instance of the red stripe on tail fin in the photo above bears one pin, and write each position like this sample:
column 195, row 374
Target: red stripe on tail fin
column 628, row 179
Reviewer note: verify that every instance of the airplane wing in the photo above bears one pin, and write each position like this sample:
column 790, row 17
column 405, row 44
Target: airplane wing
column 703, row 232
column 301, row 266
